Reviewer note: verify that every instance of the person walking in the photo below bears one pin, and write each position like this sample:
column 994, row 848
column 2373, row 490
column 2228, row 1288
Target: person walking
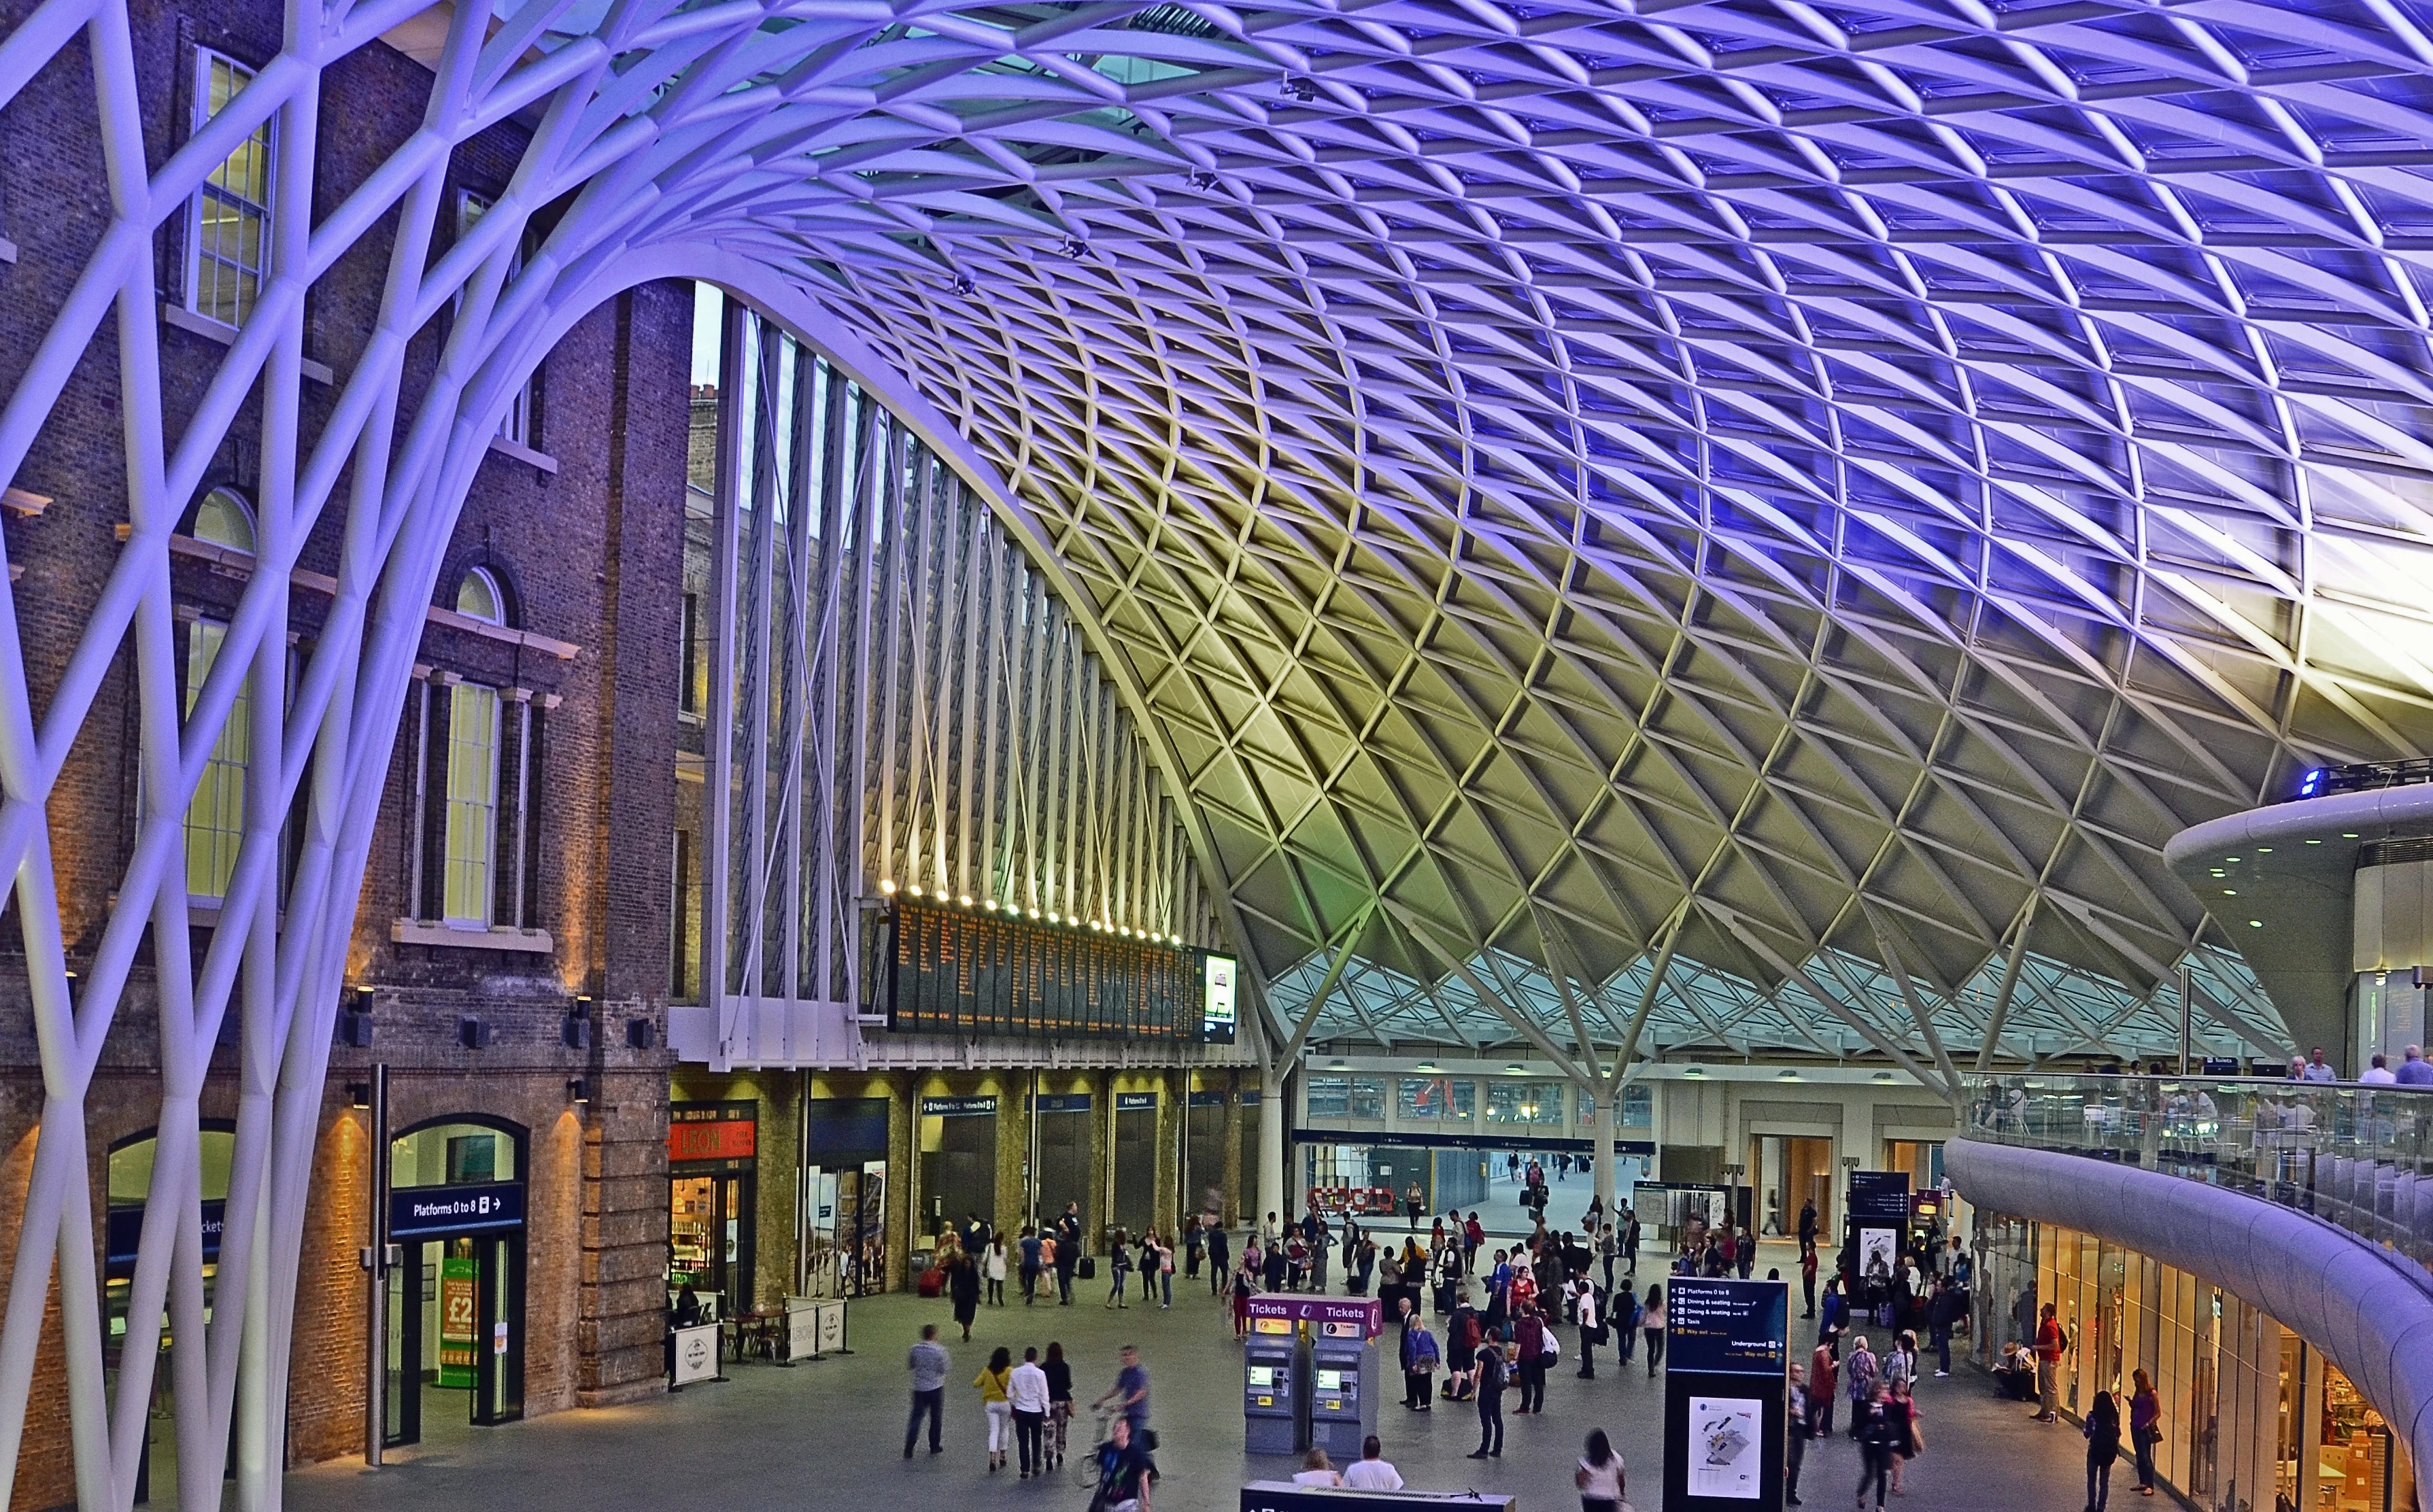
column 1372, row 1472
column 1027, row 1391
column 997, row 1270
column 995, row 1382
column 1795, row 1436
column 963, row 1285
column 1901, row 1438
column 1900, row 1361
column 1492, row 1376
column 1651, row 1328
column 1119, row 1268
column 1807, row 1278
column 1599, row 1476
column 2052, row 1341
column 1859, row 1381
column 1165, row 1273
column 1592, row 1326
column 2103, row 1430
column 1058, row 1371
column 1873, row 1430
column 1823, row 1372
column 929, row 1361
column 1030, row 1247
column 1068, row 1251
column 1220, row 1269
column 2145, row 1428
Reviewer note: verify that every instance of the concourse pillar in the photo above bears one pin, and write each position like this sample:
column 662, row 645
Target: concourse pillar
column 1273, row 1112
column 1603, row 1128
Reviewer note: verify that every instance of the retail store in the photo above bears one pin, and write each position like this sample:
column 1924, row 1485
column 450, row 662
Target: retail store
column 713, row 1158
column 844, row 1197
column 2254, row 1416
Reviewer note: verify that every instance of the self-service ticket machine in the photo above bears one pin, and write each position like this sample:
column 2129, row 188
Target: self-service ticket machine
column 1275, row 1376
column 1342, row 1390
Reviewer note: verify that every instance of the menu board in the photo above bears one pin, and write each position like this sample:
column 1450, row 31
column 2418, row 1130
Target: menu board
column 953, row 971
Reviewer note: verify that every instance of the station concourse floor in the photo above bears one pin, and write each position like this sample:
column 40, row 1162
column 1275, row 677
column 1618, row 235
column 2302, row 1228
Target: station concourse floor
column 831, row 1434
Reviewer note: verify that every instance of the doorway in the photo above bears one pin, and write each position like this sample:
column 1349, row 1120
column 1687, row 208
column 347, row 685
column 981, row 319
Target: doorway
column 710, row 1238
column 455, row 1302
column 455, row 1333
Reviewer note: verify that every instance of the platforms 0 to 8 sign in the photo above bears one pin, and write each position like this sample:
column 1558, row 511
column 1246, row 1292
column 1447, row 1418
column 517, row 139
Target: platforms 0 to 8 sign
column 1724, row 1394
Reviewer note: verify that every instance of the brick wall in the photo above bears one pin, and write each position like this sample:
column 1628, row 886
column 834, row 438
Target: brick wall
column 590, row 554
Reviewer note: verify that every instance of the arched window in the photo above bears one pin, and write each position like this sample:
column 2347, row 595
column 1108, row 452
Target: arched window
column 222, row 519
column 478, row 598
column 467, row 1150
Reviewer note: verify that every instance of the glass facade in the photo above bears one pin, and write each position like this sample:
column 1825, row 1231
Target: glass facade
column 1339, row 1096
column 2253, row 1417
column 1441, row 1098
column 1524, row 1102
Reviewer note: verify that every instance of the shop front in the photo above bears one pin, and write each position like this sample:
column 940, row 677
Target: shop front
column 455, row 1325
column 844, row 1191
column 713, row 1158
column 2252, row 1415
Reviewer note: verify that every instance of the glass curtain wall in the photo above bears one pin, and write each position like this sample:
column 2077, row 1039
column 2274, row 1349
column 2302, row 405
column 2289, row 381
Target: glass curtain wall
column 881, row 695
column 2253, row 1417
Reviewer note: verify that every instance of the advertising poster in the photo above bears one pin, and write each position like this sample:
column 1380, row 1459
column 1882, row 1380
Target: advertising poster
column 457, row 1338
column 1726, row 1437
column 1878, row 1252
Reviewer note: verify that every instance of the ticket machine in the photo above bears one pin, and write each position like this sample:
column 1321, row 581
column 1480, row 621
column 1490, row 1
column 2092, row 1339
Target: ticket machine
column 1342, row 1390
column 1275, row 1375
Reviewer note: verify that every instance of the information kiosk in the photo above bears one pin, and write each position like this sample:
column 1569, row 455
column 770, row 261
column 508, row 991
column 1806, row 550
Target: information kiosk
column 1727, row 1385
column 1342, row 1390
column 1274, row 1365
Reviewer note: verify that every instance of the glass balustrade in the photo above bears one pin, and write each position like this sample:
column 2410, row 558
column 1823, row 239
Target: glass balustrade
column 2360, row 1158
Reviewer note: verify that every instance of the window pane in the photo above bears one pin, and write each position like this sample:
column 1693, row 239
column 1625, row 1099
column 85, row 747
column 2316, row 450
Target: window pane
column 1435, row 1097
column 1329, row 1097
column 233, row 208
column 473, row 801
column 216, row 818
column 1368, row 1097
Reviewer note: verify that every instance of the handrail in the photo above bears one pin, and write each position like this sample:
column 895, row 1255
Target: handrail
column 2359, row 1158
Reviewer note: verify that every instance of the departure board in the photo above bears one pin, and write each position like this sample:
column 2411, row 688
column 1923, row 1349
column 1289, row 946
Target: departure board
column 955, row 972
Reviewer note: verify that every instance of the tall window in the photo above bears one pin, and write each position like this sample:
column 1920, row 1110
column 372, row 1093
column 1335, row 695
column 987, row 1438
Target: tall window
column 472, row 802
column 216, row 818
column 231, row 220
column 516, row 425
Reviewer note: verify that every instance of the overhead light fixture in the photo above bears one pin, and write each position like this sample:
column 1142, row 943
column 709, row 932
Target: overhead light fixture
column 1426, row 1065
column 1787, row 1074
column 1694, row 1071
column 1035, row 913
column 963, row 900
column 359, row 1094
column 2256, row 924
column 887, row 885
column 1337, row 1064
column 1516, row 1068
column 1883, row 1075
column 915, row 890
column 578, row 1092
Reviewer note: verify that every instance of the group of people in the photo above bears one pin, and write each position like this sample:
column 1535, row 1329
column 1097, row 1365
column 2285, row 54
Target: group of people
column 1030, row 1409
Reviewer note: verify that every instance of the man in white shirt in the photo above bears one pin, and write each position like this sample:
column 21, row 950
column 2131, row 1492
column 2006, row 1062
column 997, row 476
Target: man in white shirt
column 2318, row 1069
column 2380, row 1074
column 1027, row 1391
column 1373, row 1473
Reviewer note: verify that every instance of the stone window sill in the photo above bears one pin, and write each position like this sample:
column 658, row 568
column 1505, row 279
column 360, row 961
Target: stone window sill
column 517, row 451
column 449, row 937
column 185, row 319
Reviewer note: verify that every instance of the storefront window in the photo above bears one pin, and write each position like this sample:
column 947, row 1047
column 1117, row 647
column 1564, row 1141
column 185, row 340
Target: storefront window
column 1524, row 1102
column 1330, row 1096
column 1638, row 1109
column 1437, row 1097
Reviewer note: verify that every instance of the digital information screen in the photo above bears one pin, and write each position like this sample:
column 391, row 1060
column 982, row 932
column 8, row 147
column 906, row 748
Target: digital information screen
column 952, row 972
column 1729, row 1327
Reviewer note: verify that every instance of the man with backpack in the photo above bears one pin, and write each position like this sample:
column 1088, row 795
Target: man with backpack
column 2052, row 1342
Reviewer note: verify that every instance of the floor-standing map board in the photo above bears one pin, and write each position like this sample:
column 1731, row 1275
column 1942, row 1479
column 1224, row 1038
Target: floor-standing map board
column 1726, row 1388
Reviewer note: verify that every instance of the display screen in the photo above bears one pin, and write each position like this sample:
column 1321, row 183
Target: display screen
column 1330, row 1381
column 962, row 972
column 1262, row 1377
column 1216, row 976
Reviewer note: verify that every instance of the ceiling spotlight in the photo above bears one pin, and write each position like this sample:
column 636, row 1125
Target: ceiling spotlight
column 1516, row 1068
column 1337, row 1064
column 965, row 900
column 1426, row 1065
column 1035, row 913
column 1882, row 1075
column 916, row 890
column 1787, row 1074
column 1051, row 916
column 887, row 885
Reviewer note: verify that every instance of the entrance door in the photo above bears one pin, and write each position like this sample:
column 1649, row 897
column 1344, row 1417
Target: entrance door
column 455, row 1326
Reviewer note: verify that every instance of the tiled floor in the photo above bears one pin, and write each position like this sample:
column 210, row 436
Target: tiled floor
column 831, row 1434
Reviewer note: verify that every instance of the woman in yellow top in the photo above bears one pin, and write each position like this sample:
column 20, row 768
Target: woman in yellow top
column 993, row 1383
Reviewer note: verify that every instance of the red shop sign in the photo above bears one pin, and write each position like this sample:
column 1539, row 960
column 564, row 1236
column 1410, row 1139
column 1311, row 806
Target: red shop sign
column 729, row 1139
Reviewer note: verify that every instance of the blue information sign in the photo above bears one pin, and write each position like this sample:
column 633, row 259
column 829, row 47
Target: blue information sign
column 1126, row 1102
column 431, row 1210
column 957, row 1107
column 1061, row 1102
column 1880, row 1197
column 1728, row 1327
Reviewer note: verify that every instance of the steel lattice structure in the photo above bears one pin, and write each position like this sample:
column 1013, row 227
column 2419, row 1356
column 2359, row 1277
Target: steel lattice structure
column 1773, row 492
